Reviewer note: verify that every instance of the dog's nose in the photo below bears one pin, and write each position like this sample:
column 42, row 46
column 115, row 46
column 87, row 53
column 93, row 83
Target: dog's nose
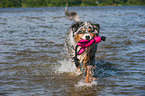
column 87, row 37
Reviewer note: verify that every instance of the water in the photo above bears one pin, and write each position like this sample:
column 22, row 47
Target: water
column 33, row 61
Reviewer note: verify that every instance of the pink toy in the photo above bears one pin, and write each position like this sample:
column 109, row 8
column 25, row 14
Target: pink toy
column 86, row 43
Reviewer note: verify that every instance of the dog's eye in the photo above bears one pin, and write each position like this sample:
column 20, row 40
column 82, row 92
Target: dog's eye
column 81, row 31
column 90, row 30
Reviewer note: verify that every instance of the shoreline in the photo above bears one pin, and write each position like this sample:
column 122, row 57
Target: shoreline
column 74, row 6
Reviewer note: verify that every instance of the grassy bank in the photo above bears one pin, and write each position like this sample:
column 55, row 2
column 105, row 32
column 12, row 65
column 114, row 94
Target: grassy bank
column 62, row 3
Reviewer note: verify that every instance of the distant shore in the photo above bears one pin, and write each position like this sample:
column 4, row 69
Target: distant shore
column 72, row 6
column 72, row 3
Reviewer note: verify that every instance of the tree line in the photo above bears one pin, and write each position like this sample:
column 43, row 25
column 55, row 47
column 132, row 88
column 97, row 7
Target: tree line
column 62, row 3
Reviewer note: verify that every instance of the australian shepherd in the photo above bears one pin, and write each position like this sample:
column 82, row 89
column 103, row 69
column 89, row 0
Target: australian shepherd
column 82, row 31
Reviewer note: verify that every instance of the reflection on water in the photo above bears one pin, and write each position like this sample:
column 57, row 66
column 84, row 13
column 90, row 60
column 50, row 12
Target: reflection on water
column 33, row 60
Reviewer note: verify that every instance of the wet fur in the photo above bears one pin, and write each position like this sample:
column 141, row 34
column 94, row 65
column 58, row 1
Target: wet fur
column 88, row 57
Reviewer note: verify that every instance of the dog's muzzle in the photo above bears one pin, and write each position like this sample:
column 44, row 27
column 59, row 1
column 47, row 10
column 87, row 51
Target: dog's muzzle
column 87, row 37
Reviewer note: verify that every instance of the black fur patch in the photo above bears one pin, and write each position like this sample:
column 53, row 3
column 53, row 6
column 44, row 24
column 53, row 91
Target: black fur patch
column 77, row 25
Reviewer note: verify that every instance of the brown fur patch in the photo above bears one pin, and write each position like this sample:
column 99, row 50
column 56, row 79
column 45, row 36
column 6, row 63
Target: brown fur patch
column 78, row 37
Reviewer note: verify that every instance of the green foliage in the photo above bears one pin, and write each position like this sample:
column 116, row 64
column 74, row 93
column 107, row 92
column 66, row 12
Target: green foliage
column 10, row 3
column 60, row 3
column 136, row 2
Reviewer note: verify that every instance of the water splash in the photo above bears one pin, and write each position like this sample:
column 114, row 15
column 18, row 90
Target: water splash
column 81, row 83
column 102, row 69
column 66, row 66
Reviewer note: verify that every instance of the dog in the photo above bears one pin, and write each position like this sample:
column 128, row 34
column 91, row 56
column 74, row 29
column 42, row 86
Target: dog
column 86, row 31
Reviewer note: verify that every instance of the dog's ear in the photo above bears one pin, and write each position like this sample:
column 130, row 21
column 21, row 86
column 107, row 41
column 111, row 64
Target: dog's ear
column 75, row 26
column 97, row 27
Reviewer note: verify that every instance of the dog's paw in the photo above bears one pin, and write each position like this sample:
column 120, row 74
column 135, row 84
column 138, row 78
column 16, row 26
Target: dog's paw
column 88, row 80
column 79, row 72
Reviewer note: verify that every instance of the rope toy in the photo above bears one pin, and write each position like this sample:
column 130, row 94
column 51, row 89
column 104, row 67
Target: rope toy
column 84, row 44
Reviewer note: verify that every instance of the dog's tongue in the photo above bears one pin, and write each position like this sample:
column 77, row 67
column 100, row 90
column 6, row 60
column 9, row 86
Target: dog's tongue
column 83, row 41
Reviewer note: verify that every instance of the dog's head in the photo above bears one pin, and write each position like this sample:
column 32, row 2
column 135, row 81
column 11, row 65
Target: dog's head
column 85, row 30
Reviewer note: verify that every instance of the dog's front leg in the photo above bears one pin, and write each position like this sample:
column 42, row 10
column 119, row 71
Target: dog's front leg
column 89, row 77
column 84, row 66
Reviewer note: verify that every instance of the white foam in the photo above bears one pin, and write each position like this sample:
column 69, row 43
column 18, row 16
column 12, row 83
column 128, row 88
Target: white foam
column 66, row 66
column 81, row 83
column 69, row 67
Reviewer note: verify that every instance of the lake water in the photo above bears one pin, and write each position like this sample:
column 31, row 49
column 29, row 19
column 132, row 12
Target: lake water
column 33, row 60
